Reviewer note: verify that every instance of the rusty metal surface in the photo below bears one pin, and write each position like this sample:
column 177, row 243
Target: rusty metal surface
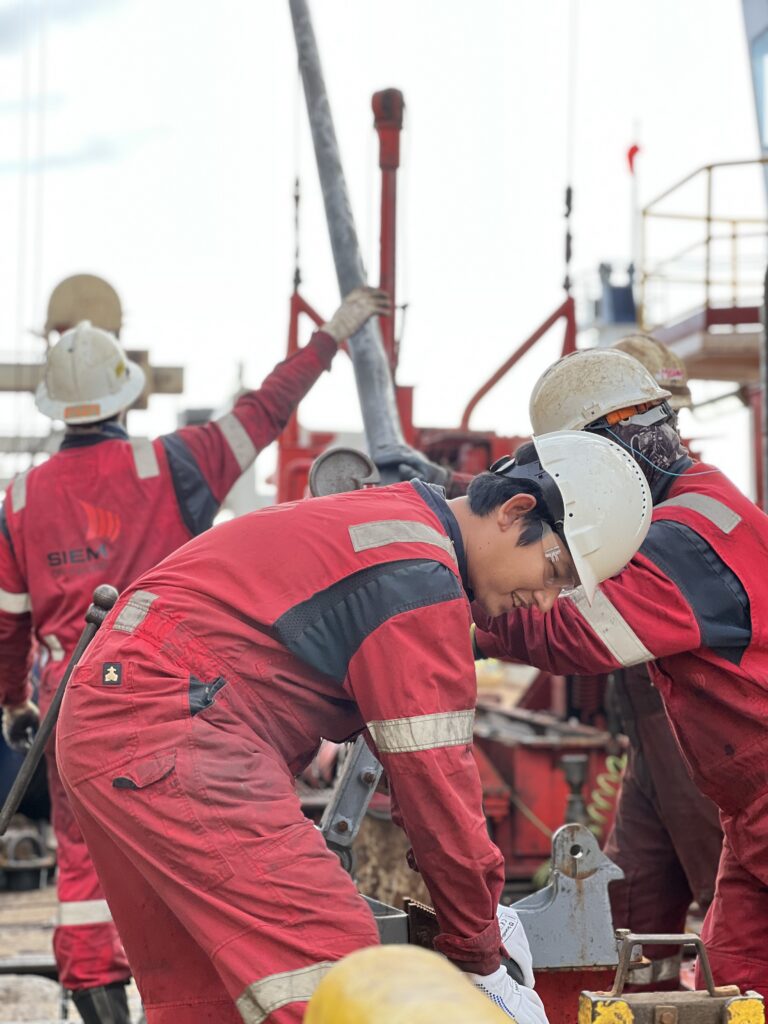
column 381, row 870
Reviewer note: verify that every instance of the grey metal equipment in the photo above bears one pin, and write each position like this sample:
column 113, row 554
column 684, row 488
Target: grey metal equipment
column 339, row 470
column 352, row 793
column 568, row 923
column 374, row 379
column 104, row 598
column 391, row 922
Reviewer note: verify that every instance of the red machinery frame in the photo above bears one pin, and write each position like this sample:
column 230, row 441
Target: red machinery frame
column 461, row 448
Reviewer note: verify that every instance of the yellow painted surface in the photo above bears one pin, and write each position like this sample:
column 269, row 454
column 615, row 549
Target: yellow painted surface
column 616, row 1011
column 746, row 1011
column 399, row 985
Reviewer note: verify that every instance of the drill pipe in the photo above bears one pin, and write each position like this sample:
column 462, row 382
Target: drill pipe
column 374, row 380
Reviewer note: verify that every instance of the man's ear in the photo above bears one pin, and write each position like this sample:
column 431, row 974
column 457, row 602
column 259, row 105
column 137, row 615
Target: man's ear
column 513, row 509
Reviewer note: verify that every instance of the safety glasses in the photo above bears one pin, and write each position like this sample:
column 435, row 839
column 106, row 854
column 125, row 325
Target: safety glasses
column 562, row 576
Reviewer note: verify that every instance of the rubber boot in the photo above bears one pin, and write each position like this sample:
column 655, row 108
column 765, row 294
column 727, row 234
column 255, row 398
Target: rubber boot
column 107, row 1004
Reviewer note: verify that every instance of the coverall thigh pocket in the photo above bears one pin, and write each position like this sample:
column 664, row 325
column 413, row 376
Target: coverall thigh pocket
column 96, row 730
column 151, row 793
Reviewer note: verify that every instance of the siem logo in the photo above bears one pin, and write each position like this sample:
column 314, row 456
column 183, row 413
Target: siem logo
column 101, row 526
column 101, row 522
column 76, row 556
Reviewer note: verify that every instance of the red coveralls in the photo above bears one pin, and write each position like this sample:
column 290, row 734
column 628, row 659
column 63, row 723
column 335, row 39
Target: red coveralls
column 103, row 510
column 211, row 684
column 666, row 835
column 695, row 598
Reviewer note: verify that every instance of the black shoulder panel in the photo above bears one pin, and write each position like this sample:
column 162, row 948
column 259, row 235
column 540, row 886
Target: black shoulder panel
column 714, row 592
column 327, row 629
column 193, row 493
column 4, row 525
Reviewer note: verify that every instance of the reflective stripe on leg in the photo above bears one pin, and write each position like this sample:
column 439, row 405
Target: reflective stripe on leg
column 268, row 994
column 83, row 912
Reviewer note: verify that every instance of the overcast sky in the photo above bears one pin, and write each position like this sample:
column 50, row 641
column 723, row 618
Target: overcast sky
column 155, row 142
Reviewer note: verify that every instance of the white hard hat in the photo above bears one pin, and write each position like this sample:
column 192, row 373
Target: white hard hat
column 87, row 377
column 587, row 385
column 597, row 495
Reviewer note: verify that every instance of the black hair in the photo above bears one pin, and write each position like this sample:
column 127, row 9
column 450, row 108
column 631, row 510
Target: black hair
column 489, row 490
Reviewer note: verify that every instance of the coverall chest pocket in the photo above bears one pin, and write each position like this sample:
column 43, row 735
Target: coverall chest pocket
column 171, row 817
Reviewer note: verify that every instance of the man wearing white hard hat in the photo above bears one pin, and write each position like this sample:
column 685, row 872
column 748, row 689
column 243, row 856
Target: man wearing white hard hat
column 104, row 509
column 692, row 605
column 320, row 619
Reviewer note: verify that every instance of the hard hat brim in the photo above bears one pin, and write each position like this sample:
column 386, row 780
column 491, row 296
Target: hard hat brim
column 83, row 412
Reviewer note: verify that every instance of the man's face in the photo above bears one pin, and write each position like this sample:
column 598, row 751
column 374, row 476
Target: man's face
column 505, row 575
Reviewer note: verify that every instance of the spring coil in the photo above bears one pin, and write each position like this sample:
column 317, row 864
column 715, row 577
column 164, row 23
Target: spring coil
column 602, row 799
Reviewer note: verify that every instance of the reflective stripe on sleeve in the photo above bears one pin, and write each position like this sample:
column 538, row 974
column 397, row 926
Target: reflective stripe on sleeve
column 84, row 912
column 261, row 998
column 14, row 604
column 19, row 491
column 145, row 458
column 715, row 511
column 238, row 439
column 423, row 732
column 134, row 612
column 55, row 649
column 614, row 631
column 365, row 536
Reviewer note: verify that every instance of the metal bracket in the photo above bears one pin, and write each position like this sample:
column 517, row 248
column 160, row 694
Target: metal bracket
column 568, row 923
column 352, row 793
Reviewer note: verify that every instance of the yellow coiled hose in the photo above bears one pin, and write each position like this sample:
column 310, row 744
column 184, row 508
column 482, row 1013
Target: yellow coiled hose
column 602, row 799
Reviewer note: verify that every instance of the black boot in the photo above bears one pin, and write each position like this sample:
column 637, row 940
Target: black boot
column 107, row 1004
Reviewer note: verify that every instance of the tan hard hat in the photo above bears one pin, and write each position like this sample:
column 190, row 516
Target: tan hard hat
column 84, row 297
column 88, row 377
column 586, row 385
column 667, row 367
column 606, row 501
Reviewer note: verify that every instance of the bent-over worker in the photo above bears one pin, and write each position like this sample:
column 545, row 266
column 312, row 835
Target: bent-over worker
column 692, row 605
column 217, row 674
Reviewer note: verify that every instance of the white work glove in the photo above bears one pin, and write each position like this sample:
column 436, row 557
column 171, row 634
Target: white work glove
column 20, row 723
column 515, row 942
column 520, row 1004
column 357, row 308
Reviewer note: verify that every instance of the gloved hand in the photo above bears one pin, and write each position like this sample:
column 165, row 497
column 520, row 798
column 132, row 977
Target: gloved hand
column 20, row 723
column 358, row 307
column 521, row 1004
column 515, row 942
column 409, row 464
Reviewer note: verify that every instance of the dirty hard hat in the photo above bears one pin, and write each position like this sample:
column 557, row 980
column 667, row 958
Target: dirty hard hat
column 87, row 377
column 587, row 385
column 597, row 495
column 667, row 368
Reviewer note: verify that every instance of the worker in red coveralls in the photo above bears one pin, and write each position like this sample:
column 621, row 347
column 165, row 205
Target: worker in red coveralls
column 213, row 680
column 666, row 835
column 104, row 509
column 692, row 604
